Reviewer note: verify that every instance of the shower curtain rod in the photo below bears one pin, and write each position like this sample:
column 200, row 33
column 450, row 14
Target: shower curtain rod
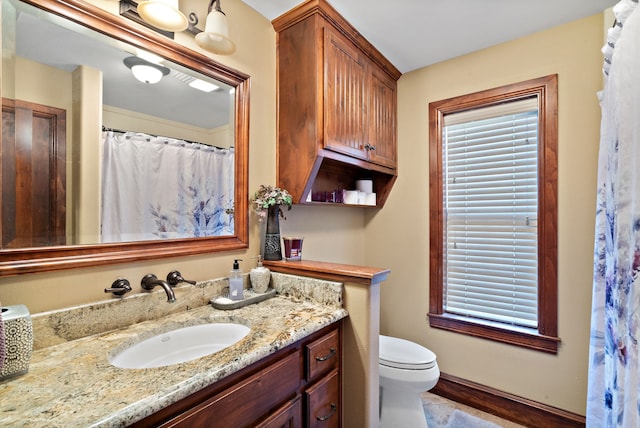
column 122, row 131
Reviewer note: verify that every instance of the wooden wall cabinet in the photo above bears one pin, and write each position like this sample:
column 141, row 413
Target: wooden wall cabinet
column 337, row 105
column 298, row 386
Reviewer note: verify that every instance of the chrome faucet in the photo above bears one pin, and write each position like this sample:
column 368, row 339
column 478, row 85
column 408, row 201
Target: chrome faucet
column 149, row 281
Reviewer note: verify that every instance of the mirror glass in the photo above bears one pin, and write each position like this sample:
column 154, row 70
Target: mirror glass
column 97, row 154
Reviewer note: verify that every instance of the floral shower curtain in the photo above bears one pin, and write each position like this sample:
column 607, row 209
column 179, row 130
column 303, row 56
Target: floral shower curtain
column 613, row 398
column 163, row 188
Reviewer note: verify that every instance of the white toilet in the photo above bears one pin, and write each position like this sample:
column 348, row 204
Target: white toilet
column 406, row 370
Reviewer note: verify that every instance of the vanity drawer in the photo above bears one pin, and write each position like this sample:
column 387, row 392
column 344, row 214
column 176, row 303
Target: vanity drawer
column 248, row 401
column 322, row 355
column 323, row 402
column 287, row 416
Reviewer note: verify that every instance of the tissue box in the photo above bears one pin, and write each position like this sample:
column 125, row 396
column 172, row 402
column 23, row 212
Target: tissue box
column 18, row 341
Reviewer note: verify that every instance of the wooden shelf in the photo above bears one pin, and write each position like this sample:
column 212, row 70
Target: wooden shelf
column 365, row 275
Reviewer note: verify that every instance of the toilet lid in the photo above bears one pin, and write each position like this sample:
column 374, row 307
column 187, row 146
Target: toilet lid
column 403, row 354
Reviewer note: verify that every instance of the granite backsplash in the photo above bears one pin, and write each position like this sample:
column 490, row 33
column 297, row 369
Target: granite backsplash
column 63, row 325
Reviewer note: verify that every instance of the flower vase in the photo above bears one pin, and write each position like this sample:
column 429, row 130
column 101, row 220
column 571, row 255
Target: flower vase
column 272, row 249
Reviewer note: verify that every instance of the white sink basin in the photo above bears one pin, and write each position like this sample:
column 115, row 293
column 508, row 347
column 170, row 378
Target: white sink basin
column 180, row 345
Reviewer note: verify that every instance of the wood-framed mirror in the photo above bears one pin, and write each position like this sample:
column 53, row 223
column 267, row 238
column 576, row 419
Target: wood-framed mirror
column 78, row 239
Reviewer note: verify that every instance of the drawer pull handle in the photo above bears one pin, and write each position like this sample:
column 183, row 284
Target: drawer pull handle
column 331, row 353
column 333, row 410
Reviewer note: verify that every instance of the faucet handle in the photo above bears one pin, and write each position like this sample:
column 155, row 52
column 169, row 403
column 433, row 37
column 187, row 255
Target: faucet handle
column 119, row 287
column 174, row 277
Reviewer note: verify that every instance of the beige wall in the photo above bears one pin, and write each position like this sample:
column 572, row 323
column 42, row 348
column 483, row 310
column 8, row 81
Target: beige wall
column 331, row 233
column 398, row 235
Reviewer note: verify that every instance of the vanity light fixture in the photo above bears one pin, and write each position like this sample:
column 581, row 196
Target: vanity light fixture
column 144, row 71
column 163, row 14
column 215, row 37
column 165, row 17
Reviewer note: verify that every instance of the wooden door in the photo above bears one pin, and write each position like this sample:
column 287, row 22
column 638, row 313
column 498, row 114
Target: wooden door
column 33, row 175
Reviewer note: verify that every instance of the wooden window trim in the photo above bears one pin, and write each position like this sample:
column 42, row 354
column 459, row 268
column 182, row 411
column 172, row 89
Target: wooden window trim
column 544, row 338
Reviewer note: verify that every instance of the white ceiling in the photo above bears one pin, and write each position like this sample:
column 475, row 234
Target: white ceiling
column 58, row 43
column 416, row 33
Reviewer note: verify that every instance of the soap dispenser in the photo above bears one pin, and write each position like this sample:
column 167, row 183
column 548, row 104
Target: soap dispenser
column 260, row 277
column 236, row 289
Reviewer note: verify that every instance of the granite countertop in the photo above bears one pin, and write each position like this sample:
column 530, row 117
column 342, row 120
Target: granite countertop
column 73, row 384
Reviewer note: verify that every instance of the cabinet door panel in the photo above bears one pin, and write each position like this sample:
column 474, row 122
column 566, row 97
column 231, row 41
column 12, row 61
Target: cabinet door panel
column 323, row 402
column 382, row 119
column 345, row 103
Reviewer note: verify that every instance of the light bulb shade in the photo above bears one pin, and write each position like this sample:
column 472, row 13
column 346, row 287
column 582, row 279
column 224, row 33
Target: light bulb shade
column 163, row 14
column 215, row 37
column 144, row 71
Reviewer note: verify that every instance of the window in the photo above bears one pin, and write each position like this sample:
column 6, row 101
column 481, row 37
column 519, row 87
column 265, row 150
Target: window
column 493, row 214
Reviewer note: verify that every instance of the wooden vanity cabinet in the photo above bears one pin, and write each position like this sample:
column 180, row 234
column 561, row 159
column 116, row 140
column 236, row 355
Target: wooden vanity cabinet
column 337, row 105
column 298, row 386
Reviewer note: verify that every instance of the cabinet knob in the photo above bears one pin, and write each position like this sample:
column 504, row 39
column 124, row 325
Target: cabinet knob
column 369, row 147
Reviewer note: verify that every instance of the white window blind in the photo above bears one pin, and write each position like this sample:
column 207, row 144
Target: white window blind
column 491, row 211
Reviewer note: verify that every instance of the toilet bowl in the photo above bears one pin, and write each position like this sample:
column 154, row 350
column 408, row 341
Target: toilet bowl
column 406, row 370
